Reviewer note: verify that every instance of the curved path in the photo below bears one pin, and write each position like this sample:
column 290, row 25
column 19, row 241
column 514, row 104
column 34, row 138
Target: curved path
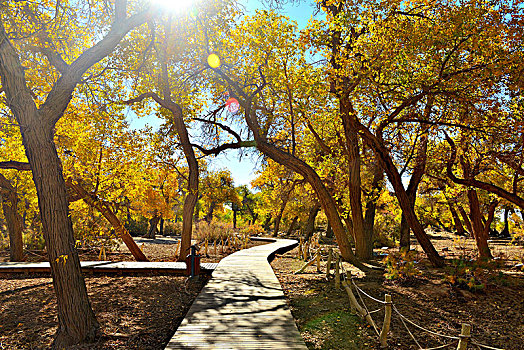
column 242, row 306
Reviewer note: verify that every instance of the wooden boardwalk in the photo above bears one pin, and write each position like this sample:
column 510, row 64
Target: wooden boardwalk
column 106, row 267
column 241, row 307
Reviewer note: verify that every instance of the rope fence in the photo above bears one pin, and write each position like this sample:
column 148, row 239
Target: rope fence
column 459, row 342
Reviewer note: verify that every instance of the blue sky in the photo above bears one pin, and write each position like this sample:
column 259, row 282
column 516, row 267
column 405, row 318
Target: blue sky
column 243, row 171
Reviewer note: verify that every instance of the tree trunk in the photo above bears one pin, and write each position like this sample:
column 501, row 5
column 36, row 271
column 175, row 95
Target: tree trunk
column 267, row 223
column 284, row 199
column 278, row 219
column 209, row 216
column 326, row 200
column 309, row 228
column 416, row 177
column 480, row 231
column 292, row 226
column 235, row 211
column 459, row 228
column 153, row 226
column 293, row 163
column 465, row 218
column 76, row 319
column 363, row 239
column 13, row 219
column 105, row 209
column 161, row 232
column 402, row 197
column 505, row 231
column 371, row 202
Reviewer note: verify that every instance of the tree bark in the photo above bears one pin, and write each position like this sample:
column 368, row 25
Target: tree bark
column 13, row 219
column 309, row 228
column 416, row 177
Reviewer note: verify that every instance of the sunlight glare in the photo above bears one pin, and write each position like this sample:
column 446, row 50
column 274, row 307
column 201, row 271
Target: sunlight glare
column 174, row 5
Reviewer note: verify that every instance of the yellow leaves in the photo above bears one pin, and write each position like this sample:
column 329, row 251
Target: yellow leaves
column 62, row 258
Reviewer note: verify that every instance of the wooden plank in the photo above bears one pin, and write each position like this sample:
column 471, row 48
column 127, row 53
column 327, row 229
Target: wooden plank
column 175, row 268
column 241, row 307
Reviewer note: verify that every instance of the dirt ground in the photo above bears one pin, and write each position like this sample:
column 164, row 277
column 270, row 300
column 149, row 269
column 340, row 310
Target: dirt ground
column 495, row 313
column 135, row 312
column 143, row 312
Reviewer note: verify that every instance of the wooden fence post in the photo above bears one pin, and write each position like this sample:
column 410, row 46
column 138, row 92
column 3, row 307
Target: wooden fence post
column 337, row 271
column 328, row 265
column 464, row 337
column 387, row 321
column 319, row 255
column 353, row 301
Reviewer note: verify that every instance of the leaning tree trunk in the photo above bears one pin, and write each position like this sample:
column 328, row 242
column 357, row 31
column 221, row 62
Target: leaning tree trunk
column 327, row 202
column 13, row 219
column 104, row 209
column 416, row 177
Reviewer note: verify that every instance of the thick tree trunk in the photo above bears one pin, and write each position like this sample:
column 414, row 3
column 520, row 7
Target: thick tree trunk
column 76, row 319
column 309, row 228
column 13, row 220
column 480, row 231
column 235, row 211
column 161, row 232
column 105, row 209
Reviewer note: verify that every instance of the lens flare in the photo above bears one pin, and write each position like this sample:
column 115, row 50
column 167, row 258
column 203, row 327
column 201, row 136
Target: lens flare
column 213, row 60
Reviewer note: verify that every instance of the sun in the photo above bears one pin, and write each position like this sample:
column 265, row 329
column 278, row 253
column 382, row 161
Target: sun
column 173, row 5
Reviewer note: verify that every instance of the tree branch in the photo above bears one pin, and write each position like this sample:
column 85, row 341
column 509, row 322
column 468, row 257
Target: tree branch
column 513, row 198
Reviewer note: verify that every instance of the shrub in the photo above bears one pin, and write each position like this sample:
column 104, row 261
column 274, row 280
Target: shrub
column 401, row 266
column 214, row 231
column 469, row 274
